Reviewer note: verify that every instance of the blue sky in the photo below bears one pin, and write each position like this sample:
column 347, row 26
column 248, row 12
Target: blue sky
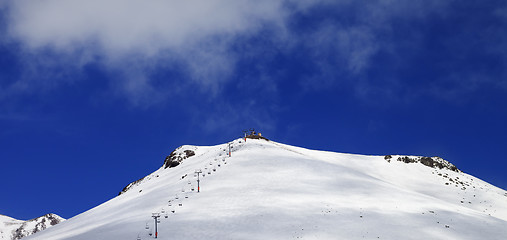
column 94, row 94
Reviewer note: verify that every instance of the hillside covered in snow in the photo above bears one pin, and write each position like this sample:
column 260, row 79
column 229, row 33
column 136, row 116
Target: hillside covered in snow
column 13, row 229
column 268, row 190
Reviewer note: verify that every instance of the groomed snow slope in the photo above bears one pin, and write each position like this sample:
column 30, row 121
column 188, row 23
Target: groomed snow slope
column 268, row 190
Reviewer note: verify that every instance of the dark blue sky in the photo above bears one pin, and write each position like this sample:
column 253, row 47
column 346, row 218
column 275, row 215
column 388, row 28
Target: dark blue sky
column 90, row 104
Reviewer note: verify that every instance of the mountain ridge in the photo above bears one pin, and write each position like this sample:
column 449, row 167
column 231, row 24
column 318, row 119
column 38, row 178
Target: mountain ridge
column 269, row 190
column 14, row 229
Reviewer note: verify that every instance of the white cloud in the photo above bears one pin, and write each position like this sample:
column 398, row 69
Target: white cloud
column 355, row 44
column 135, row 38
column 194, row 35
column 146, row 27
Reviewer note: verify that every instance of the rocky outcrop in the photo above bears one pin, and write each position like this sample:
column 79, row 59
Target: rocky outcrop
column 35, row 225
column 433, row 162
column 177, row 156
column 174, row 159
column 126, row 188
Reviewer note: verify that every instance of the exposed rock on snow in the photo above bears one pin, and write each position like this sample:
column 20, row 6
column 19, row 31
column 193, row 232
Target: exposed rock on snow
column 174, row 159
column 14, row 229
column 433, row 162
column 177, row 156
column 130, row 185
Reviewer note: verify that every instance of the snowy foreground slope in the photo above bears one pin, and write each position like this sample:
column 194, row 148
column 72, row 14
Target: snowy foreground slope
column 12, row 229
column 268, row 190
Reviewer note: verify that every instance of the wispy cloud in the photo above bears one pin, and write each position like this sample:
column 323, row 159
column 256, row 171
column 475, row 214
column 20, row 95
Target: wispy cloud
column 119, row 26
column 202, row 43
column 195, row 36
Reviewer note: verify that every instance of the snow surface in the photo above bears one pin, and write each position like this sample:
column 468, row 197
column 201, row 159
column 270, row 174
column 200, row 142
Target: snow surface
column 268, row 190
column 7, row 225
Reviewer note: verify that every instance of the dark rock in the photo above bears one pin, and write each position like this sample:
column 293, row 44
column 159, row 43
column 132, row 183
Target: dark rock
column 40, row 225
column 126, row 188
column 433, row 162
column 176, row 157
column 189, row 153
column 173, row 160
column 406, row 159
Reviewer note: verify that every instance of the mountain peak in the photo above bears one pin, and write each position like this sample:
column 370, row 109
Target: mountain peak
column 289, row 192
column 14, row 229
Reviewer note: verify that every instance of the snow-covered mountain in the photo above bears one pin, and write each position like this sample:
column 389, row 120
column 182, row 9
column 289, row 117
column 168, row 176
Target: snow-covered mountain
column 12, row 229
column 268, row 190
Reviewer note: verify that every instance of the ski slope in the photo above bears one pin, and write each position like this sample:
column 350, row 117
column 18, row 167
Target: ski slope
column 268, row 190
